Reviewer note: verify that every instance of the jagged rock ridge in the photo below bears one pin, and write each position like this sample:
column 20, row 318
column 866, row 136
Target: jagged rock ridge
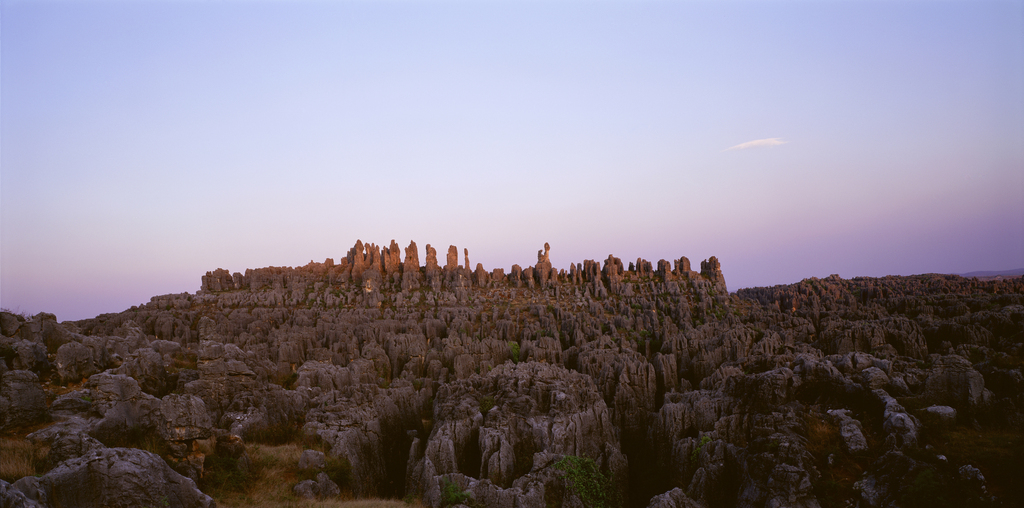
column 682, row 394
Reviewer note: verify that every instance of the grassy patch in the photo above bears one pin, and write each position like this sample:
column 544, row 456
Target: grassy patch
column 998, row 453
column 273, row 473
column 835, row 485
column 280, row 433
column 338, row 469
column 183, row 360
column 137, row 436
column 20, row 458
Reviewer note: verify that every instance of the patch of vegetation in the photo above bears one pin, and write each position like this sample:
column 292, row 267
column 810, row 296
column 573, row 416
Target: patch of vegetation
column 486, row 404
column 279, row 433
column 586, row 480
column 925, row 490
column 286, row 381
column 452, row 495
column 183, row 360
column 998, row 453
column 338, row 469
column 137, row 436
column 514, row 347
column 839, row 470
column 20, row 458
column 695, row 454
column 222, row 474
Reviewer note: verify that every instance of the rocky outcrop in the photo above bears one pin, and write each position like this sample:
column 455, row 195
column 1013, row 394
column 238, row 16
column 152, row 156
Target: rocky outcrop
column 118, row 477
column 507, row 427
column 22, row 400
column 428, row 378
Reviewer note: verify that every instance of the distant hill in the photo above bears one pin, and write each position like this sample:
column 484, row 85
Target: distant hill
column 999, row 274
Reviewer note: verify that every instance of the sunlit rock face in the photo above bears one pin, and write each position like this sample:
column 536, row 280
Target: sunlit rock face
column 605, row 383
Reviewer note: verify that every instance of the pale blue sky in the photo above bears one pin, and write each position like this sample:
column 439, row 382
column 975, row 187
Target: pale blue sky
column 144, row 143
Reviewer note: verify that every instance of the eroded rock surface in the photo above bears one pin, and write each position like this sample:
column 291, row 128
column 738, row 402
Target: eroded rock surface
column 428, row 377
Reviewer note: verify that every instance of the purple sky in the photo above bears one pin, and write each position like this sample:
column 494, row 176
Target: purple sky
column 144, row 143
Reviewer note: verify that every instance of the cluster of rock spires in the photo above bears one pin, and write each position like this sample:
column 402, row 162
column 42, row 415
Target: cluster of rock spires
column 423, row 376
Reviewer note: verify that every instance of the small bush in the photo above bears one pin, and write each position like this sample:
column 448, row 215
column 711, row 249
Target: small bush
column 515, row 351
column 695, row 454
column 221, row 473
column 287, row 382
column 586, row 480
column 451, row 494
column 486, row 404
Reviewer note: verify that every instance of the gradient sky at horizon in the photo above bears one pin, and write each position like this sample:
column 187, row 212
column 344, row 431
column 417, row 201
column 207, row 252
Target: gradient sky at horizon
column 145, row 143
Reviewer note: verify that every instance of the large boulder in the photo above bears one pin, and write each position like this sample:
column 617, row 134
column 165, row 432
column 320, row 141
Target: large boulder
column 22, row 400
column 80, row 359
column 121, row 477
column 12, row 497
column 952, row 381
column 147, row 367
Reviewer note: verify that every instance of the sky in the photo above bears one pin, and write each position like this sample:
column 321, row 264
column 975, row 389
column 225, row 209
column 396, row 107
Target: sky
column 145, row 143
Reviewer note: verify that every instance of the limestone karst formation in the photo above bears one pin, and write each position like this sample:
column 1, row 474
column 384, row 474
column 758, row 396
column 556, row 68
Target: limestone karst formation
column 604, row 384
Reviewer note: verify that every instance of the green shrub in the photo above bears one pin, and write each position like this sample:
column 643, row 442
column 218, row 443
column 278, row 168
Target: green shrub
column 486, row 404
column 451, row 495
column 222, row 474
column 515, row 351
column 695, row 454
column 586, row 480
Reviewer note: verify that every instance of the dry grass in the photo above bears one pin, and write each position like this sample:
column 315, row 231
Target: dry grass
column 835, row 485
column 998, row 453
column 275, row 471
column 19, row 458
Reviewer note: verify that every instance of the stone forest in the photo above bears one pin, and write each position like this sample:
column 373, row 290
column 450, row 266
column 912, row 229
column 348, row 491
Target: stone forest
column 610, row 384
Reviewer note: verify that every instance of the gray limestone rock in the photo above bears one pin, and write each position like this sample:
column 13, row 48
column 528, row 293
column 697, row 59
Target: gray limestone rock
column 22, row 400
column 873, row 378
column 943, row 414
column 121, row 477
column 71, row 445
column 850, row 430
column 147, row 367
column 76, row 361
column 953, row 381
column 30, row 356
column 306, row 489
column 184, row 418
column 12, row 497
column 675, row 498
column 9, row 323
column 312, row 459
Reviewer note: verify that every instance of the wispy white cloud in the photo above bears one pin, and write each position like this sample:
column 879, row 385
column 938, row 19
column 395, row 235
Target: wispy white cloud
column 757, row 143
